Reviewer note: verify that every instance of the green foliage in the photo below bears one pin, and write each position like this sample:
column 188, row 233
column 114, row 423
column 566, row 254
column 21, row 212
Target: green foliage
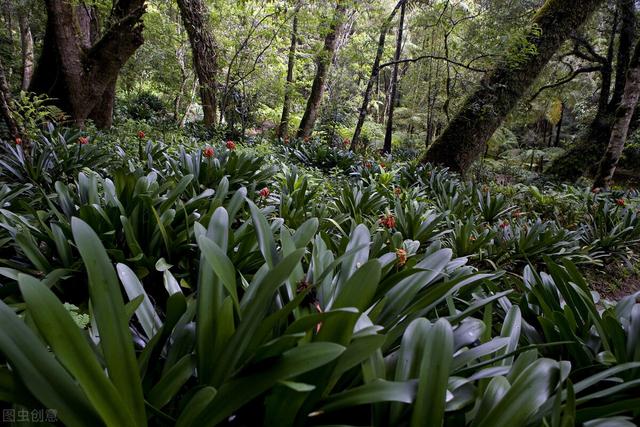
column 233, row 288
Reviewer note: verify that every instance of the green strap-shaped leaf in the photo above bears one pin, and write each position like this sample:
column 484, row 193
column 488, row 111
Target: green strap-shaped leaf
column 253, row 315
column 266, row 242
column 525, row 396
column 43, row 375
column 294, row 362
column 430, row 400
column 211, row 296
column 146, row 313
column 360, row 288
column 72, row 350
column 196, row 405
column 172, row 381
column 374, row 392
column 110, row 316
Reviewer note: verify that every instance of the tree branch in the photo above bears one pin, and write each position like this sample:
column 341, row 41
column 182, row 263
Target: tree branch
column 442, row 58
column 566, row 79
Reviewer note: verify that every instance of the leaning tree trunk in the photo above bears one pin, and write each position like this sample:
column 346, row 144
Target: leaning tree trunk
column 323, row 63
column 393, row 90
column 195, row 16
column 283, row 126
column 6, row 105
column 620, row 128
column 465, row 138
column 79, row 69
column 375, row 69
column 26, row 42
column 582, row 157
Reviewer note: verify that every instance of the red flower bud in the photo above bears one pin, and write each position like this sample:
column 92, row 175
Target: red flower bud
column 264, row 193
column 18, row 141
column 620, row 202
column 83, row 140
column 231, row 145
column 208, row 152
column 140, row 134
column 388, row 221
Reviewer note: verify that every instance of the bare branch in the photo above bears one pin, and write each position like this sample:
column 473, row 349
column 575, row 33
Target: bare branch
column 441, row 58
column 566, row 79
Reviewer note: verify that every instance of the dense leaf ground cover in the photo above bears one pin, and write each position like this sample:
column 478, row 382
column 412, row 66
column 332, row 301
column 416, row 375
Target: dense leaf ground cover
column 295, row 283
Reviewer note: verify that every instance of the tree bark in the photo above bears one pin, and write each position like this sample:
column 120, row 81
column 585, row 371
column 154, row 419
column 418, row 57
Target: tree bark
column 393, row 96
column 323, row 63
column 464, row 140
column 78, row 68
column 6, row 105
column 581, row 158
column 283, row 126
column 620, row 128
column 26, row 42
column 375, row 69
column 559, row 128
column 195, row 16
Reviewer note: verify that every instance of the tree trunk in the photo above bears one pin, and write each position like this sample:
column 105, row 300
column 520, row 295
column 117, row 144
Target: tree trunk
column 620, row 128
column 195, row 16
column 559, row 129
column 366, row 96
column 582, row 157
column 26, row 42
column 283, row 126
column 323, row 63
column 393, row 97
column 78, row 68
column 6, row 105
column 463, row 141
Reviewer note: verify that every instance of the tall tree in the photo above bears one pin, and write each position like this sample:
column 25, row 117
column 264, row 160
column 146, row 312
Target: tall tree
column 393, row 90
column 283, row 126
column 323, row 63
column 80, row 67
column 195, row 16
column 620, row 127
column 6, row 105
column 582, row 157
column 482, row 113
column 26, row 42
column 375, row 69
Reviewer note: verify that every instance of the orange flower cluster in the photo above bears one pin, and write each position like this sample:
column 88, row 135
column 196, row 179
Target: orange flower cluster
column 401, row 256
column 388, row 221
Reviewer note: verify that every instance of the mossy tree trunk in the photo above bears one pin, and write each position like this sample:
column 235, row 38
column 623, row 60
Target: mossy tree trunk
column 323, row 63
column 620, row 127
column 26, row 43
column 283, row 126
column 393, row 90
column 6, row 105
column 375, row 69
column 583, row 157
column 465, row 138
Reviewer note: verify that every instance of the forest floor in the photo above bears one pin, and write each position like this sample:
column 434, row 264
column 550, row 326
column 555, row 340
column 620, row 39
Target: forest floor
column 615, row 280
